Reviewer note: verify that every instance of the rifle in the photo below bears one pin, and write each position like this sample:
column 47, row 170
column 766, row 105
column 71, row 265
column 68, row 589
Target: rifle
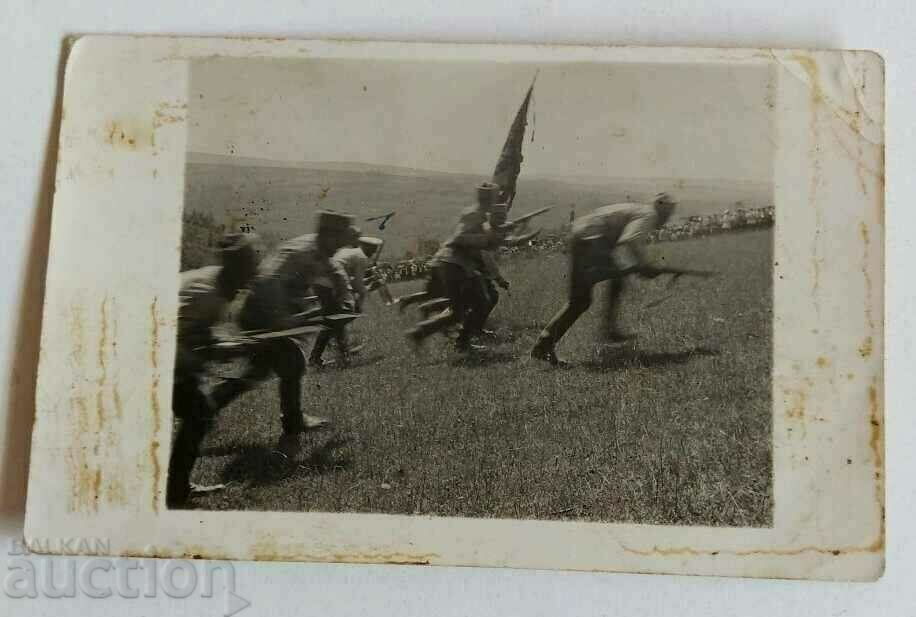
column 520, row 221
column 312, row 323
column 520, row 239
column 375, row 281
column 525, row 217
column 676, row 272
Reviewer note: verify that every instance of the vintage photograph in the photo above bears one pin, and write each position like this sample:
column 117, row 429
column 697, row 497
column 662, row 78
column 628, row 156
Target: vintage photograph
column 529, row 306
column 477, row 289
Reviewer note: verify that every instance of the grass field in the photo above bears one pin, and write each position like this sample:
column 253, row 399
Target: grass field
column 674, row 428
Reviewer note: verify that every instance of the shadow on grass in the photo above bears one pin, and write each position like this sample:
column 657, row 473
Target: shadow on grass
column 624, row 357
column 483, row 358
column 260, row 466
column 356, row 362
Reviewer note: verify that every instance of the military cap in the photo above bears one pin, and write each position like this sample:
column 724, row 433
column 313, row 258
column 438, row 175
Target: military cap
column 665, row 198
column 238, row 250
column 370, row 242
column 334, row 222
column 487, row 192
column 236, row 243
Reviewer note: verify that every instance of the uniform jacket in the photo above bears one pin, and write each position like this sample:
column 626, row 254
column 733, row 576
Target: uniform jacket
column 623, row 228
column 472, row 236
column 283, row 280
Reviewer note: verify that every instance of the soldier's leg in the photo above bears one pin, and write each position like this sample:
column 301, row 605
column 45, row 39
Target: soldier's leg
column 476, row 307
column 230, row 388
column 492, row 299
column 579, row 300
column 288, row 363
column 193, row 419
column 328, row 305
column 452, row 279
column 321, row 343
column 615, row 287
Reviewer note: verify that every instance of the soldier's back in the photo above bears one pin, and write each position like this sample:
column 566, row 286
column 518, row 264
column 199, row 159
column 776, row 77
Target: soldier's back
column 199, row 303
column 609, row 221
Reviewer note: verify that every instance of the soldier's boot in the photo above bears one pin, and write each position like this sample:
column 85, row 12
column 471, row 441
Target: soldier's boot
column 194, row 416
column 545, row 350
column 185, row 452
column 289, row 445
column 463, row 343
column 321, row 343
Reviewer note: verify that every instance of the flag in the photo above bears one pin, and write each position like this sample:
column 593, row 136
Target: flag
column 509, row 164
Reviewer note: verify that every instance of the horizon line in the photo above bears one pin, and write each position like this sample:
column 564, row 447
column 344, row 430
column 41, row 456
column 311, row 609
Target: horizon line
column 232, row 159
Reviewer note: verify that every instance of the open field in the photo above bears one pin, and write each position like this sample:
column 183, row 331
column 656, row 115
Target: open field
column 674, row 428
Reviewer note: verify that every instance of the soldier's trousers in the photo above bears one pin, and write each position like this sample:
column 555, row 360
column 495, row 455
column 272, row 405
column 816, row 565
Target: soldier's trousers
column 467, row 298
column 195, row 415
column 193, row 419
column 282, row 357
column 590, row 264
column 339, row 332
column 492, row 297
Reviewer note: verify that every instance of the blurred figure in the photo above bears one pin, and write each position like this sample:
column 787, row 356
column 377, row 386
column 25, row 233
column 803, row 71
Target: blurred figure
column 203, row 299
column 275, row 303
column 606, row 245
column 354, row 260
column 457, row 271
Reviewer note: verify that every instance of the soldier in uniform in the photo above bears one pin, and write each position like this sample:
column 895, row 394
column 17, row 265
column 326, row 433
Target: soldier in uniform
column 203, row 298
column 273, row 303
column 457, row 270
column 489, row 266
column 607, row 244
column 355, row 261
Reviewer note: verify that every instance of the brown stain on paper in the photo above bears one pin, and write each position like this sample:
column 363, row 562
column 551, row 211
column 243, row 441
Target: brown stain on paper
column 866, row 244
column 135, row 134
column 799, row 398
column 103, row 371
column 876, row 443
column 817, row 98
column 94, row 438
column 866, row 348
column 83, row 496
column 154, row 400
column 876, row 439
column 268, row 549
column 125, row 135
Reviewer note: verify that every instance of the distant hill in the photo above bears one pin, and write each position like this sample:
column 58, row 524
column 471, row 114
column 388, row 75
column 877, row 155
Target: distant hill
column 280, row 199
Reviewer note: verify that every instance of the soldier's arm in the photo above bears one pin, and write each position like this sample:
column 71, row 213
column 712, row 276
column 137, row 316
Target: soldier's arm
column 472, row 233
column 631, row 257
column 492, row 268
column 638, row 229
column 340, row 282
column 358, row 280
column 479, row 241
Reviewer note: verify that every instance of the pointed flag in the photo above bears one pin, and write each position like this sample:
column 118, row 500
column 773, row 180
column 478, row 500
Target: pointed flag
column 509, row 164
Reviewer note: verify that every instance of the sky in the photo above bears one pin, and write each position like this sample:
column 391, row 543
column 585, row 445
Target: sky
column 589, row 120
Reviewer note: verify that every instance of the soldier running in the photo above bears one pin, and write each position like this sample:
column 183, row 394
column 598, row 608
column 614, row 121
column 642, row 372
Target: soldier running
column 274, row 303
column 607, row 244
column 204, row 296
column 355, row 261
column 457, row 271
column 489, row 266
